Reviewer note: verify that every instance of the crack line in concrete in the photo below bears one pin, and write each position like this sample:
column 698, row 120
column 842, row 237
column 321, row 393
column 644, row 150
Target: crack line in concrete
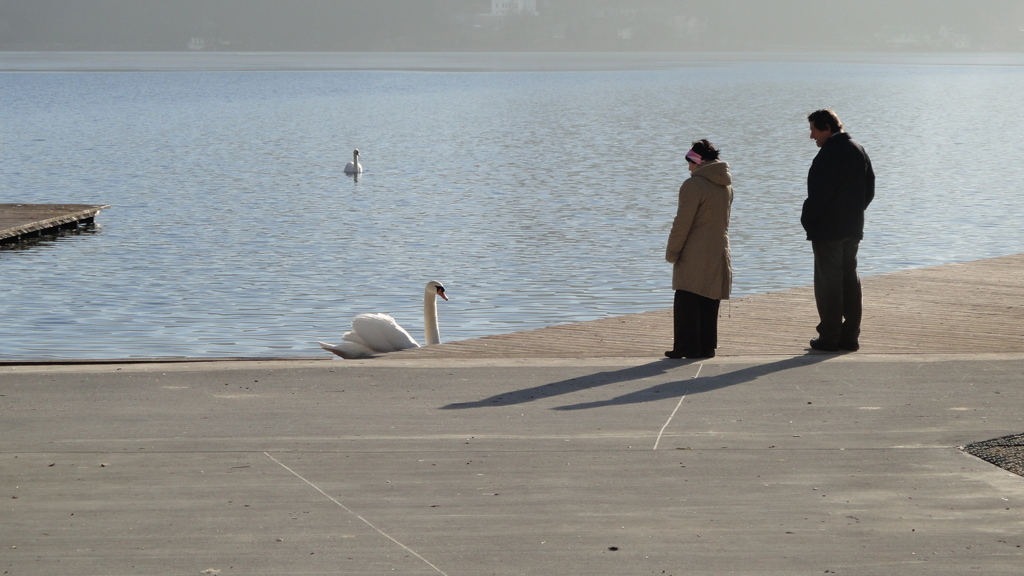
column 667, row 422
column 347, row 509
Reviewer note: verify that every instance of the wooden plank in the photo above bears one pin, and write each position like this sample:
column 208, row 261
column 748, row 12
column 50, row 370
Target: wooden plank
column 971, row 307
column 23, row 220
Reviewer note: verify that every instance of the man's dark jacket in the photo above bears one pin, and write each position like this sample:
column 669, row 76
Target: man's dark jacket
column 840, row 185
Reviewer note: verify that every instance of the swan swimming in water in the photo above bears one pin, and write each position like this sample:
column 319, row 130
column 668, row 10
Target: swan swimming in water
column 378, row 333
column 354, row 167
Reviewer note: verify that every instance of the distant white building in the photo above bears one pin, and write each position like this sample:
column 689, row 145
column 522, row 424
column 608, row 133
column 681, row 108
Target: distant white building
column 509, row 7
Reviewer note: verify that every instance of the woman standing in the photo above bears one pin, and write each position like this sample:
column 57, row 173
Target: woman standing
column 698, row 247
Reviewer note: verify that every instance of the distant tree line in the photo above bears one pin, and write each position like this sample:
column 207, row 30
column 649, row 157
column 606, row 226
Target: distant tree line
column 447, row 25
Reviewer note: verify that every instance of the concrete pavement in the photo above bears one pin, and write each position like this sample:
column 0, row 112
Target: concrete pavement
column 749, row 465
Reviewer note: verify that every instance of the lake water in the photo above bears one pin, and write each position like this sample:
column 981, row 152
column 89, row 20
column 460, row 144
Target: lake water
column 538, row 188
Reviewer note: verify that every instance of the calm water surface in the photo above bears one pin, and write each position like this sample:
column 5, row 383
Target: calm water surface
column 540, row 191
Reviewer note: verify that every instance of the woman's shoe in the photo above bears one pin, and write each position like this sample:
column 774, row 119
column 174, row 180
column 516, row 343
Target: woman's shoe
column 689, row 355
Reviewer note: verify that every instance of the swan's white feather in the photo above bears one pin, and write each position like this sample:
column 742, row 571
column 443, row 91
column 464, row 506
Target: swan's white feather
column 380, row 332
column 347, row 350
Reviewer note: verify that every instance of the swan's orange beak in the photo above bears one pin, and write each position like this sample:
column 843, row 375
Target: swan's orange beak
column 440, row 292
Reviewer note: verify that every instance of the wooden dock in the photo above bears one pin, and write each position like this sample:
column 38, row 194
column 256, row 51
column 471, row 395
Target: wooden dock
column 19, row 222
column 968, row 308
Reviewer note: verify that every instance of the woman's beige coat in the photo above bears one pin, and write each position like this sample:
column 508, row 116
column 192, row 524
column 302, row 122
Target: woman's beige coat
column 698, row 244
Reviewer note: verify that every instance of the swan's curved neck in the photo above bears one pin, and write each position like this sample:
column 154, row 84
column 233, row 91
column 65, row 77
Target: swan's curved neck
column 430, row 328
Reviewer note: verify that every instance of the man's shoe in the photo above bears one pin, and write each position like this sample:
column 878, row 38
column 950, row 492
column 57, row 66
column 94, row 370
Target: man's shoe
column 818, row 344
column 850, row 346
column 674, row 354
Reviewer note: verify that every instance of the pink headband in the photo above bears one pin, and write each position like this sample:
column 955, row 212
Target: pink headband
column 694, row 157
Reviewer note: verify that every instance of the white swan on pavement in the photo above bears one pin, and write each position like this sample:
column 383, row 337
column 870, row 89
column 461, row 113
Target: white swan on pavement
column 374, row 334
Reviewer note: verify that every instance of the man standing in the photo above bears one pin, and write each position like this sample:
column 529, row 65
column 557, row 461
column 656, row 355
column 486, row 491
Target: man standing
column 840, row 185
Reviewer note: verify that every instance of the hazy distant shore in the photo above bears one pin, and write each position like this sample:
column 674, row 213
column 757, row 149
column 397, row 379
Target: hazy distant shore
column 16, row 61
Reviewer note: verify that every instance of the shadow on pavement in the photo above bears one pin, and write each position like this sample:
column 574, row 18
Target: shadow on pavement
column 658, row 392
column 703, row 384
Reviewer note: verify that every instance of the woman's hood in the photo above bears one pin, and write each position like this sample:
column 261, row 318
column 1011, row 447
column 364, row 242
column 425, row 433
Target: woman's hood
column 716, row 171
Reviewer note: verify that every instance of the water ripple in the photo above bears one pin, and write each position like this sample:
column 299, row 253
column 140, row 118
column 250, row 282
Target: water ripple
column 539, row 198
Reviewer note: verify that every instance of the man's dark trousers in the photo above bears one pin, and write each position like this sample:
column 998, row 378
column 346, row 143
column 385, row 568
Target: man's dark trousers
column 837, row 290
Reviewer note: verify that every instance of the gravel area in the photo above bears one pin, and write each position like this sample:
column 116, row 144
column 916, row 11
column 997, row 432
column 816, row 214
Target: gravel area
column 1006, row 452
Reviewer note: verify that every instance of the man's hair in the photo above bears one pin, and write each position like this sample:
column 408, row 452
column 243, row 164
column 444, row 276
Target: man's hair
column 706, row 150
column 825, row 120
